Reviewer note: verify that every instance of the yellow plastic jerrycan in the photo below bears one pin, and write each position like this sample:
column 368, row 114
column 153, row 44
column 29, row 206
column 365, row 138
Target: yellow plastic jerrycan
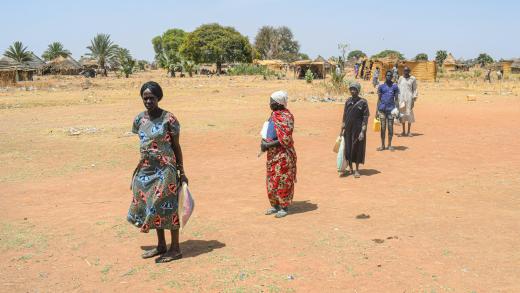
column 377, row 125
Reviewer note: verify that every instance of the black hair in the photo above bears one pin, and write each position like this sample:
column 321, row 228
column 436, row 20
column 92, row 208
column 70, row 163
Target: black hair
column 388, row 71
column 154, row 87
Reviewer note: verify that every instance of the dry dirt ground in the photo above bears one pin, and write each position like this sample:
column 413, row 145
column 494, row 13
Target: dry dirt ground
column 444, row 207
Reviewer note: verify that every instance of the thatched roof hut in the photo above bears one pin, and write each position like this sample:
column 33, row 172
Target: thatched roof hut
column 12, row 71
column 318, row 66
column 505, row 67
column 62, row 66
column 88, row 63
column 35, row 63
column 515, row 66
column 450, row 64
column 422, row 70
column 277, row 65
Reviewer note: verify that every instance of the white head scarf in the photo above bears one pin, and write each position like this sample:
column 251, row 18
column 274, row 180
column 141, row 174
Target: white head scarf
column 280, row 97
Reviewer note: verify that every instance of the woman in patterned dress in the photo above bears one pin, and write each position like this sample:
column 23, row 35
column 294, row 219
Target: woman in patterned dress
column 281, row 156
column 158, row 175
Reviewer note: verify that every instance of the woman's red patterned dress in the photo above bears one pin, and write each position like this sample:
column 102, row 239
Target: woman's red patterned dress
column 281, row 161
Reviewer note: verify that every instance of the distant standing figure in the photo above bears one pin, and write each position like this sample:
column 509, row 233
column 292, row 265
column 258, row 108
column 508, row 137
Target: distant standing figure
column 356, row 69
column 281, row 156
column 375, row 78
column 488, row 76
column 353, row 130
column 407, row 97
column 298, row 72
column 395, row 73
column 388, row 93
column 338, row 70
column 499, row 75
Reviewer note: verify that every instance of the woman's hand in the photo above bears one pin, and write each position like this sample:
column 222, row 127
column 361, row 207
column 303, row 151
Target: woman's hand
column 184, row 179
column 263, row 146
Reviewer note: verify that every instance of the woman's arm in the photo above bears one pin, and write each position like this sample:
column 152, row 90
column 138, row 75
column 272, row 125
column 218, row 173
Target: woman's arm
column 366, row 113
column 178, row 156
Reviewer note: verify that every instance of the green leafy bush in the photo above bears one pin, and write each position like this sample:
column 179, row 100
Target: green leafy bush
column 309, row 76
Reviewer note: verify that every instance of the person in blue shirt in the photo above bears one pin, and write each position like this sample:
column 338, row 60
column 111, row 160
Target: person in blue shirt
column 388, row 94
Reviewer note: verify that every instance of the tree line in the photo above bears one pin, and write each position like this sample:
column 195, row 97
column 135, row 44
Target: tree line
column 101, row 48
column 482, row 59
column 177, row 50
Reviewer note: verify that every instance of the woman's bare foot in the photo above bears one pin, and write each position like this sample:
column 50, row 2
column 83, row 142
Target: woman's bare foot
column 356, row 174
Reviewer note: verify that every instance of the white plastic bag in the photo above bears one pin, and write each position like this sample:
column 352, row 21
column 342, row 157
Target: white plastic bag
column 263, row 132
column 341, row 162
column 186, row 205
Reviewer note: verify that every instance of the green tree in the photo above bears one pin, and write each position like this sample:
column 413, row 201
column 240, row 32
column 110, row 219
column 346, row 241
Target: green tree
column 55, row 50
column 421, row 57
column 188, row 66
column 18, row 52
column 303, row 56
column 102, row 49
column 141, row 64
column 213, row 43
column 440, row 56
column 171, row 61
column 389, row 53
column 276, row 43
column 356, row 54
column 123, row 60
column 483, row 59
column 170, row 43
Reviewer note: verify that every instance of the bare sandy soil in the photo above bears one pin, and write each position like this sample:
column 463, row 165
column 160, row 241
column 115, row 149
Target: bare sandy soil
column 444, row 208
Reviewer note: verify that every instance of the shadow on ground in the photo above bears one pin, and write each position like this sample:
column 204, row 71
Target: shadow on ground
column 413, row 134
column 400, row 148
column 298, row 207
column 368, row 172
column 193, row 248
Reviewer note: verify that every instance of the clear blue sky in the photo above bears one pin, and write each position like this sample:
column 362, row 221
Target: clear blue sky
column 463, row 27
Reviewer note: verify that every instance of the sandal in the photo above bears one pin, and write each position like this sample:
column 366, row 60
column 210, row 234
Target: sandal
column 344, row 173
column 380, row 149
column 281, row 213
column 356, row 174
column 168, row 257
column 271, row 211
column 391, row 148
column 153, row 252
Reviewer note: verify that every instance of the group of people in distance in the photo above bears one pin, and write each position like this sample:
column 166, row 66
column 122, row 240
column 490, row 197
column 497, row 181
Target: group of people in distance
column 395, row 101
column 160, row 172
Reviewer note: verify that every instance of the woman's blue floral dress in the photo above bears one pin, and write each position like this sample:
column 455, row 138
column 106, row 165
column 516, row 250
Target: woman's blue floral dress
column 155, row 180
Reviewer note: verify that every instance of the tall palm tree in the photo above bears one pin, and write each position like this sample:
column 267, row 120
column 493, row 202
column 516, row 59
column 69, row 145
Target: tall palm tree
column 18, row 52
column 55, row 50
column 103, row 49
